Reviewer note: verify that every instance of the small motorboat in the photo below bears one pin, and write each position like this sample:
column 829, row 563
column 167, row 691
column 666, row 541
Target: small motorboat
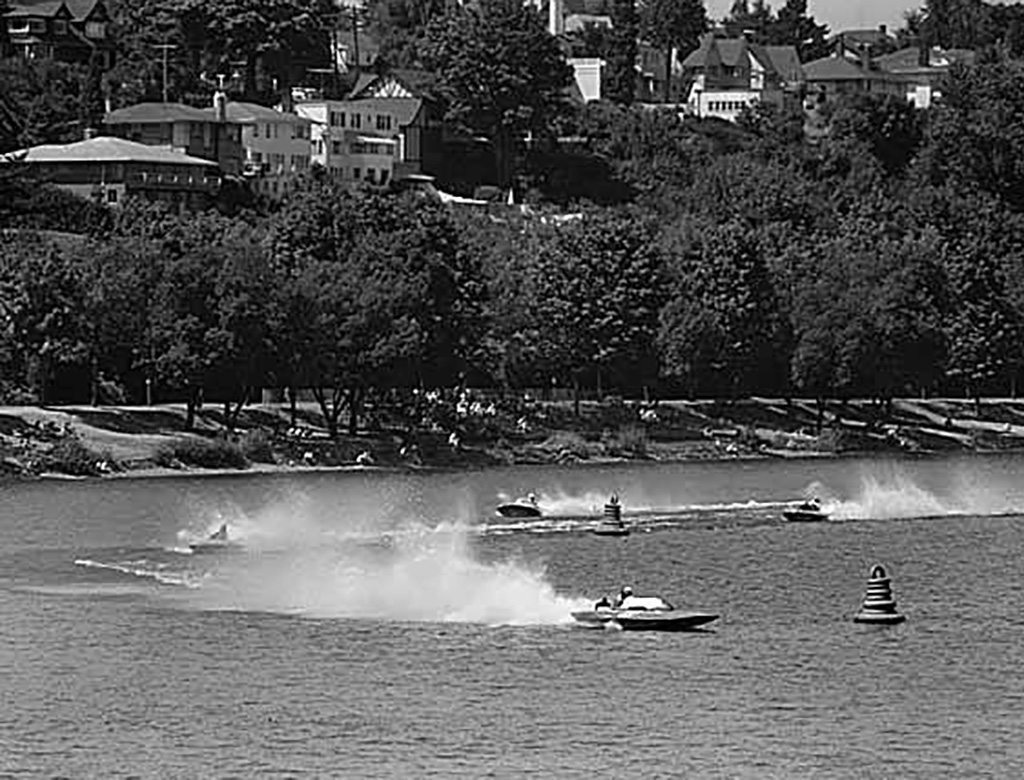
column 218, row 541
column 642, row 613
column 809, row 511
column 522, row 507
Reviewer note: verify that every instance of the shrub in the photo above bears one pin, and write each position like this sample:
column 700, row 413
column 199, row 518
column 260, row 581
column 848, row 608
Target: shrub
column 70, row 456
column 256, row 446
column 629, row 440
column 204, row 453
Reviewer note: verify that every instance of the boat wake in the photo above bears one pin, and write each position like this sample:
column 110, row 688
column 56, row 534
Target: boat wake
column 294, row 561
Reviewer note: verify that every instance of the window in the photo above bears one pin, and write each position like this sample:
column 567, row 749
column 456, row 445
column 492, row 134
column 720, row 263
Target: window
column 256, row 130
column 384, row 176
column 335, row 147
column 111, row 196
column 355, row 173
column 371, row 175
column 341, row 115
column 95, row 30
column 357, row 121
column 60, row 27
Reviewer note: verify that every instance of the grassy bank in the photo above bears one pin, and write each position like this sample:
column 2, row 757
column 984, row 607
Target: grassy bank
column 102, row 441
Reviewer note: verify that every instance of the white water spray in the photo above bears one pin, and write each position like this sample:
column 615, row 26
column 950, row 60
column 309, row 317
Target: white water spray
column 299, row 561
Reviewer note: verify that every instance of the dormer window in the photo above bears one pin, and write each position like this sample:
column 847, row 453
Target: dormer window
column 60, row 27
column 95, row 30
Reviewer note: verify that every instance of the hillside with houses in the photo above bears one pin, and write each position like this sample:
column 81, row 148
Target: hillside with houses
column 577, row 203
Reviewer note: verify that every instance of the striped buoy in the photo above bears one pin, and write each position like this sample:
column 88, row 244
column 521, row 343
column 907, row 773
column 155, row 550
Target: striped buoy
column 879, row 606
column 613, row 511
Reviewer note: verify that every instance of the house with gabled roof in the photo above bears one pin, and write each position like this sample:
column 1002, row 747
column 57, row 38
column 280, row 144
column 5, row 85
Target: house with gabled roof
column 730, row 74
column 406, row 94
column 65, row 30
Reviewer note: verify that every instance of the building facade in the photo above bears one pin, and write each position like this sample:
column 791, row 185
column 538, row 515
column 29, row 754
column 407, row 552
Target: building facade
column 353, row 141
column 275, row 147
column 731, row 74
column 204, row 133
column 64, row 30
column 110, row 170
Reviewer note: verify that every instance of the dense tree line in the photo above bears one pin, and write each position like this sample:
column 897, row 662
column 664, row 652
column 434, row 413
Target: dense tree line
column 659, row 253
column 886, row 260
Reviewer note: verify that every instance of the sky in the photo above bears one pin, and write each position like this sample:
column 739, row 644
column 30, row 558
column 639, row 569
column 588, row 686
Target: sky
column 839, row 14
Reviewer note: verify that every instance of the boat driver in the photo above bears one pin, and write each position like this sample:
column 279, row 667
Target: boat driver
column 624, row 594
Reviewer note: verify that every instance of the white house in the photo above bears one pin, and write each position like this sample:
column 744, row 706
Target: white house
column 275, row 144
column 355, row 142
column 729, row 74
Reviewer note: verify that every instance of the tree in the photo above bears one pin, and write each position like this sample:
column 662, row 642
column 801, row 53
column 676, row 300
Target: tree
column 750, row 22
column 499, row 71
column 599, row 286
column 620, row 83
column 975, row 137
column 794, row 27
column 891, row 127
column 674, row 25
column 721, row 326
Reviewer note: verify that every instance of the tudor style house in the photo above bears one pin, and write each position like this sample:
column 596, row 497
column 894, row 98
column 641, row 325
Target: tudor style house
column 65, row 30
column 729, row 74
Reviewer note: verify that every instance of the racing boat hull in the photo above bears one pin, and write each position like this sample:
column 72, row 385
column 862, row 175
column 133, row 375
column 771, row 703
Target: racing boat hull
column 643, row 620
column 519, row 509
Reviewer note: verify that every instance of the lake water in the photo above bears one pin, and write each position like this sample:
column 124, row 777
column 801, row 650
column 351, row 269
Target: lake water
column 383, row 625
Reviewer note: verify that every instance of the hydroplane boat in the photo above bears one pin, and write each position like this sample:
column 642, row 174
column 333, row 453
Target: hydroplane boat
column 218, row 541
column 522, row 507
column 641, row 613
column 809, row 511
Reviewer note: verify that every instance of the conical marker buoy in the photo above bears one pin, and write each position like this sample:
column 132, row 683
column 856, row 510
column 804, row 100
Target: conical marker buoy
column 879, row 606
column 613, row 511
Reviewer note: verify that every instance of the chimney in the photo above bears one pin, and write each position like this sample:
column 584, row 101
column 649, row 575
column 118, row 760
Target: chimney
column 556, row 17
column 883, row 30
column 220, row 106
column 220, row 100
column 865, row 57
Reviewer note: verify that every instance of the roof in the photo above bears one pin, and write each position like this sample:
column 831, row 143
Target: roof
column 837, row 69
column 871, row 36
column 240, row 111
column 786, row 62
column 906, row 59
column 143, row 113
column 782, row 60
column 574, row 22
column 79, row 9
column 105, row 149
column 587, row 7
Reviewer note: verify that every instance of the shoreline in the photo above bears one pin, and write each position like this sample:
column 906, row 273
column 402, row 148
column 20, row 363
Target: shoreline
column 133, row 442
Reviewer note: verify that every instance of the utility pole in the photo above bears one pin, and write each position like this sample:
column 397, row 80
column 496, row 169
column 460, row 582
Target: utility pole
column 165, row 47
